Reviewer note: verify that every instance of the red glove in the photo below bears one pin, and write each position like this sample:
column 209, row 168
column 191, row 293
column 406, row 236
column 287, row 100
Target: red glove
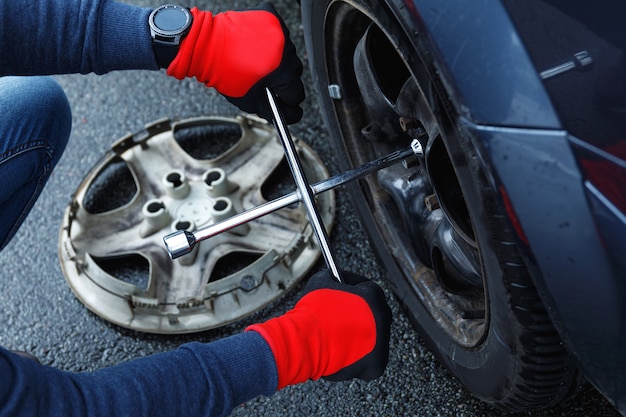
column 338, row 331
column 239, row 53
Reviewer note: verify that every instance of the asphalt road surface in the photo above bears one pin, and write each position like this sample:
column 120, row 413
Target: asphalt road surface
column 42, row 316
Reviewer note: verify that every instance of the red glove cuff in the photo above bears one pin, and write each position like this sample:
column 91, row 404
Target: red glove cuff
column 181, row 66
column 325, row 332
column 230, row 51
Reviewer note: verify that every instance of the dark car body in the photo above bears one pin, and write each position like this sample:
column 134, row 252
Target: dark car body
column 554, row 153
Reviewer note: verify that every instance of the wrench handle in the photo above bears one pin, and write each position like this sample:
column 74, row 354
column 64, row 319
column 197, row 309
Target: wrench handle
column 302, row 184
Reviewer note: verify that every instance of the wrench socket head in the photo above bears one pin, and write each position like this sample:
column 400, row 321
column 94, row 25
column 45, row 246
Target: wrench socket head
column 179, row 243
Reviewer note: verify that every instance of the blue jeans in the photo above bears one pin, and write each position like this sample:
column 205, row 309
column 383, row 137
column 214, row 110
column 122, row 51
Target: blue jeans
column 35, row 125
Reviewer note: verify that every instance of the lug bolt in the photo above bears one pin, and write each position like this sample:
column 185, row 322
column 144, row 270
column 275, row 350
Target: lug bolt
column 407, row 123
column 431, row 202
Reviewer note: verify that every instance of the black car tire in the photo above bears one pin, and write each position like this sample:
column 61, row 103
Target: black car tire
column 494, row 333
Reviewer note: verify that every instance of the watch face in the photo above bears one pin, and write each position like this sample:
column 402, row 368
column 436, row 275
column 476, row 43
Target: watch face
column 170, row 20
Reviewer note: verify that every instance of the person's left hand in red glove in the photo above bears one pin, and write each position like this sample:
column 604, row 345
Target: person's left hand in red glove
column 338, row 331
column 239, row 53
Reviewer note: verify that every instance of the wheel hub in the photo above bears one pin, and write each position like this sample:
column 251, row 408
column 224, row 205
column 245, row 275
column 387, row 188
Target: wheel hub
column 387, row 99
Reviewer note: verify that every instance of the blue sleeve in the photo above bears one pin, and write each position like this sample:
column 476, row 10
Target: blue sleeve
column 198, row 379
column 39, row 37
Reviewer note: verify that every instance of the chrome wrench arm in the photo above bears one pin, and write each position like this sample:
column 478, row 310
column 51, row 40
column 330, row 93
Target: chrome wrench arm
column 182, row 242
column 302, row 184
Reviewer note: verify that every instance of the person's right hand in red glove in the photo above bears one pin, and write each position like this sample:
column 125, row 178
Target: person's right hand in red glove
column 239, row 53
column 338, row 331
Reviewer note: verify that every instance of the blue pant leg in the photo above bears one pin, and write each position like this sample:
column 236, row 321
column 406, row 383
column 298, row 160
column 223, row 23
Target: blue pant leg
column 35, row 125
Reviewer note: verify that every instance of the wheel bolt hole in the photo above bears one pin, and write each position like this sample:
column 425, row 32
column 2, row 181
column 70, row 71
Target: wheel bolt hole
column 155, row 207
column 175, row 179
column 183, row 225
column 212, row 177
column 220, row 205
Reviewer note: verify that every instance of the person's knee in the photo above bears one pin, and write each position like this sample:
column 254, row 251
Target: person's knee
column 56, row 107
column 35, row 108
column 35, row 125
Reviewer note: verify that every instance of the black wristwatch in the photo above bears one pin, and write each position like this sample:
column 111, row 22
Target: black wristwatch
column 168, row 26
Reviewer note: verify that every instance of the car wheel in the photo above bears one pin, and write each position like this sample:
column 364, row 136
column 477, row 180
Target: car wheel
column 437, row 226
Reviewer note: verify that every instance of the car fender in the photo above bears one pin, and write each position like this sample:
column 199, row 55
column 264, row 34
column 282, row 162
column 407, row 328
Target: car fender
column 506, row 109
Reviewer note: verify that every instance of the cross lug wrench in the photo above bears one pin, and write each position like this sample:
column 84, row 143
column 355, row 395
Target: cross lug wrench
column 182, row 242
column 302, row 184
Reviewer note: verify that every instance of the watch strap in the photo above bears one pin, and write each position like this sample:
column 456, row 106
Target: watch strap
column 164, row 53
